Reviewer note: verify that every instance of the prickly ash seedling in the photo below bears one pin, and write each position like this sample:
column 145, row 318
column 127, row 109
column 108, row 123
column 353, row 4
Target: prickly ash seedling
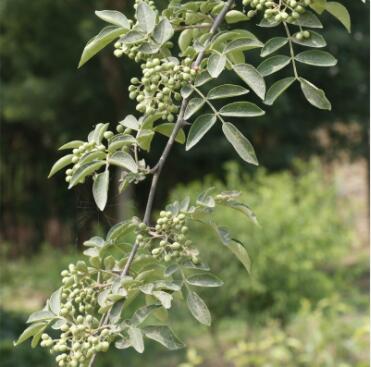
column 112, row 298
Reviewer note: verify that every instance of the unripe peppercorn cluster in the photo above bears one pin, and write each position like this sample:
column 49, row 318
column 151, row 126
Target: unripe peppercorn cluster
column 158, row 91
column 285, row 10
column 133, row 50
column 81, row 336
column 167, row 240
column 82, row 151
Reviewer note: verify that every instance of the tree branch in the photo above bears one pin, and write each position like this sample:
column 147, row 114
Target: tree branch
column 178, row 125
column 165, row 154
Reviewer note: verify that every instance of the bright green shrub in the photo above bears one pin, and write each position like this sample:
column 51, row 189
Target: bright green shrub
column 330, row 335
column 296, row 248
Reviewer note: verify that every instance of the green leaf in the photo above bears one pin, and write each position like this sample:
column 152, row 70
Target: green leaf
column 199, row 128
column 120, row 141
column 29, row 332
column 226, row 91
column 163, row 31
column 101, row 40
column 114, row 17
column 84, row 171
column 119, row 229
column 204, row 280
column 142, row 314
column 124, row 160
column 316, row 58
column 36, row 338
column 164, row 298
column 164, row 336
column 315, row 95
column 92, row 156
column 167, row 129
column 243, row 208
column 130, row 122
column 185, row 39
column 60, row 164
column 273, row 45
column 186, row 91
column 318, row 6
column 277, row 89
column 133, row 37
column 242, row 44
column 116, row 310
column 197, row 307
column 221, row 39
column 241, row 109
column 235, row 16
column 340, row 12
column 240, row 252
column 315, row 40
column 136, row 339
column 273, row 64
column 145, row 138
column 252, row 78
column 234, row 58
column 146, row 17
column 242, row 146
column 216, row 64
column 308, row 19
column 202, row 78
column 100, row 189
column 204, row 199
column 71, row 144
column 98, row 132
column 193, row 106
column 42, row 315
column 55, row 301
column 123, row 343
column 223, row 234
column 95, row 241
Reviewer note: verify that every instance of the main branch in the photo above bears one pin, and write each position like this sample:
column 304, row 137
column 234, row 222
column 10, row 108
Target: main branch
column 165, row 154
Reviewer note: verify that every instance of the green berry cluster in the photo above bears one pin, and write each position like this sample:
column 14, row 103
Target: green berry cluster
column 285, row 10
column 133, row 50
column 82, row 151
column 302, row 35
column 81, row 335
column 158, row 90
column 167, row 240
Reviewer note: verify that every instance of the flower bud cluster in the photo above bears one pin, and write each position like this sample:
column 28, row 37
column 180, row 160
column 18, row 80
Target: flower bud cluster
column 285, row 10
column 158, row 90
column 168, row 239
column 81, row 336
column 79, row 154
column 133, row 50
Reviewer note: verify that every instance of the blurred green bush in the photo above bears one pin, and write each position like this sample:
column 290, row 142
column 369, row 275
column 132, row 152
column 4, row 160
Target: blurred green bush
column 331, row 334
column 295, row 250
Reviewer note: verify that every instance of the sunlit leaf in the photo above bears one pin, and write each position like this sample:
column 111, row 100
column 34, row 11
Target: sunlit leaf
column 199, row 128
column 315, row 95
column 197, row 307
column 100, row 189
column 242, row 146
column 277, row 89
column 252, row 78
